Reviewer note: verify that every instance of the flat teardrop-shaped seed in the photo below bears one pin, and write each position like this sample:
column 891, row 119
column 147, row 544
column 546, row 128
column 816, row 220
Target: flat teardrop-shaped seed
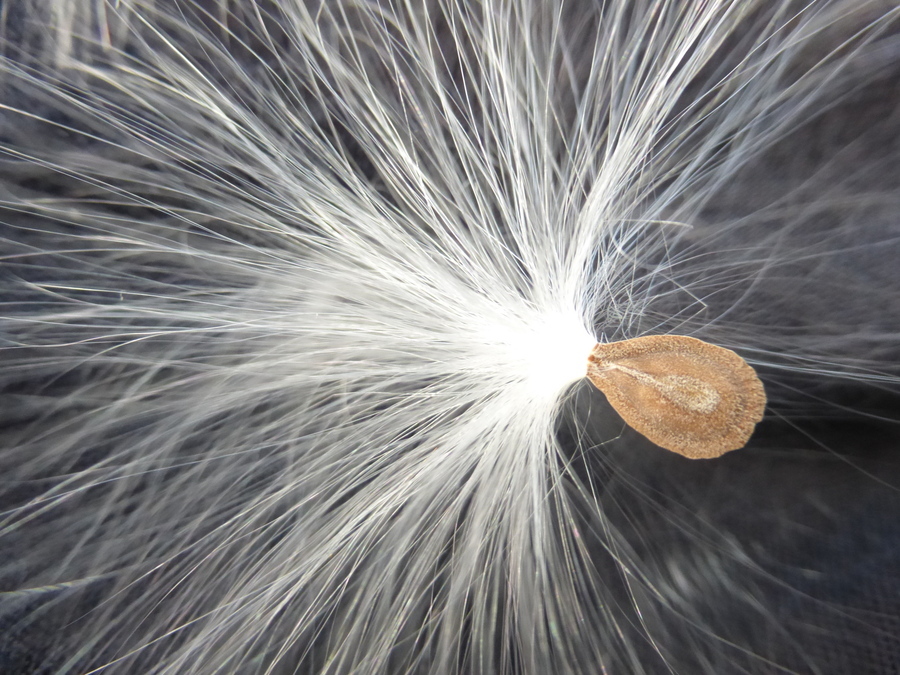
column 685, row 395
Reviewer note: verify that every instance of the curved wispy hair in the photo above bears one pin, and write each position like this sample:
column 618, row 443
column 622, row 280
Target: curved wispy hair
column 295, row 295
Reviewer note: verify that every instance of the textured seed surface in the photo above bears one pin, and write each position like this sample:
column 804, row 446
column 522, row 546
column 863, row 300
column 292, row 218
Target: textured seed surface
column 685, row 395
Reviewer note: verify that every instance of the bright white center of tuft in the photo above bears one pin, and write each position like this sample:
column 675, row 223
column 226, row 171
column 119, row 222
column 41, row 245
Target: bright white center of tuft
column 548, row 353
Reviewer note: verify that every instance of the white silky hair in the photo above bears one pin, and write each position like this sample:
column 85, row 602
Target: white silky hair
column 297, row 297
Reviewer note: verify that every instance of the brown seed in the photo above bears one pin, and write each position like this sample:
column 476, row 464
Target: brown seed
column 685, row 395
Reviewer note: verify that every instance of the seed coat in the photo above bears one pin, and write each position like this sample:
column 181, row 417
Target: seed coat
column 685, row 395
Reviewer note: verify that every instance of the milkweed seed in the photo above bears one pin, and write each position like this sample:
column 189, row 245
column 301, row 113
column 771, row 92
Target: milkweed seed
column 685, row 395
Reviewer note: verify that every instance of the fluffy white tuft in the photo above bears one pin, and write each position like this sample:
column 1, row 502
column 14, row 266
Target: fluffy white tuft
column 297, row 294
